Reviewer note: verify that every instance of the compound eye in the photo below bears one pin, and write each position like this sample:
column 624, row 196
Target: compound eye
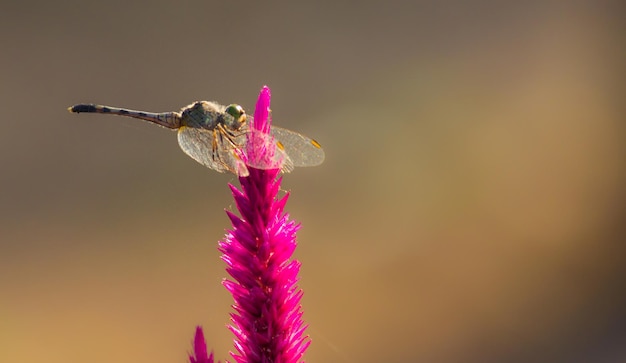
column 237, row 112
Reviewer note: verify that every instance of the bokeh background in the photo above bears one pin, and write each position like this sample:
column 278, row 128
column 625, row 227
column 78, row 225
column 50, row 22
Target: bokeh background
column 470, row 208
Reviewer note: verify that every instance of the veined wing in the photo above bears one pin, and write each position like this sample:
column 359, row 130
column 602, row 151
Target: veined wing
column 302, row 151
column 213, row 149
column 218, row 151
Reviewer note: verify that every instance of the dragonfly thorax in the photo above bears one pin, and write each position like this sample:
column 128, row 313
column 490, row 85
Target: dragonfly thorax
column 208, row 115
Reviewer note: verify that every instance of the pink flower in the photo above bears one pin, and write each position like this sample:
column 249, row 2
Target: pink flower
column 267, row 321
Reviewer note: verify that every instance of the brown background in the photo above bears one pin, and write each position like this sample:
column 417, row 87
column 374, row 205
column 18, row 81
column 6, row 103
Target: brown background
column 470, row 209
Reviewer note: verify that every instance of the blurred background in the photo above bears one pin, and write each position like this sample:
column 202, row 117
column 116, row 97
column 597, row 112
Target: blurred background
column 470, row 208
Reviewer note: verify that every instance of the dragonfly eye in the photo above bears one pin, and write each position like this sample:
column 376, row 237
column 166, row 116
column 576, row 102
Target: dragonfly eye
column 238, row 114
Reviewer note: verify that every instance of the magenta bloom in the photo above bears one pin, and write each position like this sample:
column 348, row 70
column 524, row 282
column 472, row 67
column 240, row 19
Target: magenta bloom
column 267, row 321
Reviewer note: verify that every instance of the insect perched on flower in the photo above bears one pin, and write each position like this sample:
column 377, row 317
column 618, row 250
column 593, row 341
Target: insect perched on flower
column 215, row 136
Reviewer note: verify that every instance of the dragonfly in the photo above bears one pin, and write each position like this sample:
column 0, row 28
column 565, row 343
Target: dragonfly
column 216, row 135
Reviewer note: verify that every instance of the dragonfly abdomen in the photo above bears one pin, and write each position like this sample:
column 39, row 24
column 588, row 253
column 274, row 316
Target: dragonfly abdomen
column 171, row 120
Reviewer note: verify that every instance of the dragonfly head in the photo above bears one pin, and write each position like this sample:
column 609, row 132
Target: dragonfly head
column 238, row 114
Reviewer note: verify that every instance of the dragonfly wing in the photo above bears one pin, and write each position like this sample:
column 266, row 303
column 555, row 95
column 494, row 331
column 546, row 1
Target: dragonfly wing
column 211, row 149
column 302, row 151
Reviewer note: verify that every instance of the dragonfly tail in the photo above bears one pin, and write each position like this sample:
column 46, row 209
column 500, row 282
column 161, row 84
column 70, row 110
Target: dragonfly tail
column 171, row 120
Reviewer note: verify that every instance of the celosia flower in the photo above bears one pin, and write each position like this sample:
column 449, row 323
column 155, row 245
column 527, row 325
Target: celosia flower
column 267, row 321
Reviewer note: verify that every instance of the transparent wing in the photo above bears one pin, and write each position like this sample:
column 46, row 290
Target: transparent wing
column 302, row 151
column 221, row 152
column 213, row 149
